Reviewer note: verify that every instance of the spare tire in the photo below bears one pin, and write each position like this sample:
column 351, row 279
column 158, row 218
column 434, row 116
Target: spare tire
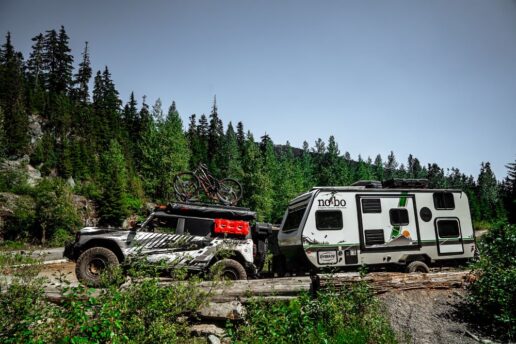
column 228, row 269
column 417, row 266
column 92, row 263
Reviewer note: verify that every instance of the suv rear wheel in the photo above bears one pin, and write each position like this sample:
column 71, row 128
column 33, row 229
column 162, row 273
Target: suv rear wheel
column 92, row 263
column 229, row 269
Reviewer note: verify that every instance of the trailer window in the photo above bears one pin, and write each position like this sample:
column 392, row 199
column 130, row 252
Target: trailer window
column 371, row 205
column 399, row 217
column 328, row 220
column 444, row 200
column 294, row 218
column 448, row 228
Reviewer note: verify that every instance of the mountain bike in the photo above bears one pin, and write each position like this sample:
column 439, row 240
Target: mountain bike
column 188, row 184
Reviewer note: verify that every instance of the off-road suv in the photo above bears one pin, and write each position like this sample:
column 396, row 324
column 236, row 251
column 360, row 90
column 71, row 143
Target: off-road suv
column 194, row 236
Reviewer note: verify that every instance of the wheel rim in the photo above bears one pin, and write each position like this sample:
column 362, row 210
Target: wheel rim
column 96, row 266
column 230, row 274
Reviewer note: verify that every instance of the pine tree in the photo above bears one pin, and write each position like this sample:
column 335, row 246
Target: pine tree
column 488, row 193
column 12, row 99
column 288, row 182
column 165, row 152
column 36, row 75
column 82, row 78
column 390, row 166
column 233, row 165
column 2, row 135
column 509, row 192
column 332, row 165
column 240, row 136
column 378, row 168
column 307, row 167
column 215, row 140
column 113, row 207
column 64, row 63
column 130, row 117
column 50, row 63
column 257, row 184
column 157, row 111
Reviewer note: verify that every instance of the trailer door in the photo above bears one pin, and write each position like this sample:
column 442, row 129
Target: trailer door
column 449, row 236
column 388, row 222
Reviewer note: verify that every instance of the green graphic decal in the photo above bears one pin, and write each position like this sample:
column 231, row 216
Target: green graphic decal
column 401, row 204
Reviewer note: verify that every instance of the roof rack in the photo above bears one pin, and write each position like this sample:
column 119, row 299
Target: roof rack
column 208, row 211
column 369, row 184
column 398, row 183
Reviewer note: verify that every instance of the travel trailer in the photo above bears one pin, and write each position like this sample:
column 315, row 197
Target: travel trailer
column 400, row 223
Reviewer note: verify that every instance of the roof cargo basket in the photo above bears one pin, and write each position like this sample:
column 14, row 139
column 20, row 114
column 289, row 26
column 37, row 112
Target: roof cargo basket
column 405, row 183
column 369, row 184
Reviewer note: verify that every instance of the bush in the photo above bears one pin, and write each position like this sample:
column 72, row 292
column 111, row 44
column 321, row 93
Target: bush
column 350, row 316
column 14, row 181
column 22, row 225
column 55, row 209
column 493, row 294
column 143, row 312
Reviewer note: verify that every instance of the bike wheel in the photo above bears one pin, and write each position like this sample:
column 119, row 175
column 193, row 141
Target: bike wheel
column 230, row 191
column 186, row 186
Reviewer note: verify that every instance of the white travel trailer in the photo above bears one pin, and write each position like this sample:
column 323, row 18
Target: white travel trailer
column 398, row 223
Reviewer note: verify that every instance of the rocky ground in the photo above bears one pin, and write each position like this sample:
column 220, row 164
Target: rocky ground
column 428, row 316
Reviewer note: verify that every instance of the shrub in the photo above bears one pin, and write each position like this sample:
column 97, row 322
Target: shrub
column 493, row 294
column 21, row 225
column 55, row 209
column 352, row 315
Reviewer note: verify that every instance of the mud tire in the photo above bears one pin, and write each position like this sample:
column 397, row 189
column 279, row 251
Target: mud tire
column 229, row 269
column 417, row 266
column 92, row 262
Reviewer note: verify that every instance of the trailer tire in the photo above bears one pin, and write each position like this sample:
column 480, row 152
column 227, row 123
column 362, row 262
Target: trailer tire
column 417, row 266
column 92, row 262
column 229, row 269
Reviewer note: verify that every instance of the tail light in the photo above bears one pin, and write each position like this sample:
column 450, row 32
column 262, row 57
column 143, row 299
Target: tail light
column 240, row 228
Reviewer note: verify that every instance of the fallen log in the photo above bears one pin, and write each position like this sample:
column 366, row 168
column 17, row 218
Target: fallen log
column 226, row 298
column 382, row 282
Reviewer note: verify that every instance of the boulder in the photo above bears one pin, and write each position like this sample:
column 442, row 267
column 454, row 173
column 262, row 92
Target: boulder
column 87, row 211
column 35, row 128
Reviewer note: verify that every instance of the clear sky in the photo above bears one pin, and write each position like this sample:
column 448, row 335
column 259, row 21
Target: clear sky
column 433, row 78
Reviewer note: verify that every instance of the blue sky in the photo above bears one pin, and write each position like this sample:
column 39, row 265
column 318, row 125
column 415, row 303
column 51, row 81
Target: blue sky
column 433, row 78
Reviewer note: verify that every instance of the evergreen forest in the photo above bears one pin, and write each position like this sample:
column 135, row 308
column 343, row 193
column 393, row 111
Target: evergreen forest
column 123, row 155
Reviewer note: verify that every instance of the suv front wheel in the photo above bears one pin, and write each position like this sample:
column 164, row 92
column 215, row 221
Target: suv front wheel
column 92, row 263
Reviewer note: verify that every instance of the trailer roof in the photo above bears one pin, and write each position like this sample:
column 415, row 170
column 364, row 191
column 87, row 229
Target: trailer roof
column 364, row 189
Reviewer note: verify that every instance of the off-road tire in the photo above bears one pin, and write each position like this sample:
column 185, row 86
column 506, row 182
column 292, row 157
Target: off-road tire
column 228, row 269
column 92, row 262
column 417, row 266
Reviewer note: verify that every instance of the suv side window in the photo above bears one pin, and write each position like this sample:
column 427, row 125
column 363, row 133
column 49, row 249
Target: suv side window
column 164, row 224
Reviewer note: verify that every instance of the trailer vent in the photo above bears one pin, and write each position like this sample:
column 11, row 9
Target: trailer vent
column 371, row 205
column 374, row 237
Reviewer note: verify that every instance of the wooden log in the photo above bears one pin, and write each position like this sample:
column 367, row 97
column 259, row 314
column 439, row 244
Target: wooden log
column 382, row 282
